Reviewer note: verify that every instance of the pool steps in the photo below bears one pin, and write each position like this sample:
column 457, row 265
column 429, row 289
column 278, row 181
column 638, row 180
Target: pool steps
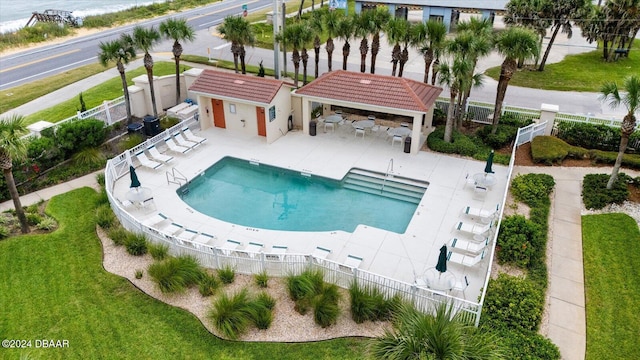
column 394, row 187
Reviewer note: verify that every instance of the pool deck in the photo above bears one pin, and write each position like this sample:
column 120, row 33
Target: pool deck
column 333, row 154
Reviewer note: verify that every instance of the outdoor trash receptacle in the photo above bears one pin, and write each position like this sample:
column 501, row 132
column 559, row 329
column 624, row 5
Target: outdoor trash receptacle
column 151, row 125
column 407, row 144
column 134, row 128
column 312, row 128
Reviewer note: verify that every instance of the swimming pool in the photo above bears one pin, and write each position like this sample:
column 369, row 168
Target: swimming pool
column 267, row 197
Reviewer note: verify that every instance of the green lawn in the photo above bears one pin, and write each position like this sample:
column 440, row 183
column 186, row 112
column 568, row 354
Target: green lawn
column 581, row 72
column 54, row 287
column 96, row 95
column 611, row 250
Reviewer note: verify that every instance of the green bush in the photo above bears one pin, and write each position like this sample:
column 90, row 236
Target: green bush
column 463, row 145
column 439, row 117
column 158, row 251
column 532, row 189
column 369, row 304
column 118, row 235
column 609, row 157
column 232, row 315
column 595, row 194
column 47, row 224
column 266, row 300
column 176, row 274
column 528, row 345
column 599, row 137
column 33, row 218
column 167, row 122
column 208, row 284
column 136, row 244
column 505, row 134
column 139, row 274
column 130, row 141
column 516, row 240
column 89, row 157
column 105, row 218
column 4, row 232
column 261, row 310
column 513, row 303
column 100, row 179
column 227, row 274
column 44, row 152
column 325, row 306
column 550, row 150
column 74, row 136
column 262, row 279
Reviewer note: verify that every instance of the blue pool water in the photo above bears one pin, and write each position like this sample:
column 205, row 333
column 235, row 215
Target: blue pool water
column 267, row 197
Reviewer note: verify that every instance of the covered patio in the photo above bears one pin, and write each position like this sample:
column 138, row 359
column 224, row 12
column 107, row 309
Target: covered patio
column 378, row 97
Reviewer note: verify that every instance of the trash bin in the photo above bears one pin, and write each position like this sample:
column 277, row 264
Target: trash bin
column 134, row 128
column 151, row 125
column 407, row 144
column 312, row 128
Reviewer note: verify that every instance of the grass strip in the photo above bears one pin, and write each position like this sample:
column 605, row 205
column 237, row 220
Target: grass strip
column 54, row 287
column 611, row 256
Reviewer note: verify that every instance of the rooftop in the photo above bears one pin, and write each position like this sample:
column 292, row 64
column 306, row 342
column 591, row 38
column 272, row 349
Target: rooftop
column 237, row 86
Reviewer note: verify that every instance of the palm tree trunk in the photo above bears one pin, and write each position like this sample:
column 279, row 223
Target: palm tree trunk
column 624, row 140
column 177, row 52
column 125, row 89
column 395, row 57
column 346, row 49
column 295, row 57
column 506, row 71
column 548, row 50
column 330, row 48
column 305, row 60
column 375, row 47
column 428, row 59
column 448, row 128
column 316, row 48
column 236, row 53
column 434, row 71
column 300, row 9
column 148, row 64
column 404, row 57
column 243, row 67
column 13, row 191
column 364, row 49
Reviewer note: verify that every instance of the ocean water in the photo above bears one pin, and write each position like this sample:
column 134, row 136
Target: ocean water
column 14, row 14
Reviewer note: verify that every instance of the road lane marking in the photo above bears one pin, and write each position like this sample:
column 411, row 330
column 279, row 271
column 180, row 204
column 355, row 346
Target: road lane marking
column 6, row 85
column 39, row 60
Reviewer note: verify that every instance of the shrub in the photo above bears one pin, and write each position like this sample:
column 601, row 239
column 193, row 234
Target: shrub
column 550, row 150
column 516, row 240
column 595, row 194
column 325, row 306
column 176, row 274
column 512, row 120
column 129, row 141
column 168, row 122
column 528, row 345
column 232, row 315
column 136, row 244
column 513, row 303
column 139, row 274
column 73, row 136
column 4, row 232
column 463, row 145
column 158, row 251
column 44, row 152
column 208, row 284
column 369, row 304
column 47, row 224
column 439, row 117
column 609, row 157
column 100, row 179
column 532, row 189
column 262, row 279
column 118, row 235
column 307, row 284
column 266, row 300
column 33, row 219
column 261, row 310
column 504, row 135
column 89, row 157
column 600, row 137
column 105, row 218
column 227, row 274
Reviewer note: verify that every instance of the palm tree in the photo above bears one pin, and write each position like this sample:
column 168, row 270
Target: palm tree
column 428, row 36
column 315, row 23
column 442, row 336
column 293, row 35
column 456, row 77
column 396, row 32
column 13, row 147
column 379, row 20
column 346, row 27
column 237, row 30
column 363, row 28
column 178, row 30
column 305, row 36
column 513, row 44
column 144, row 39
column 331, row 21
column 631, row 100
column 121, row 51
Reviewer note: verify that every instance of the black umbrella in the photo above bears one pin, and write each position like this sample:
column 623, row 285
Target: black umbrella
column 442, row 260
column 487, row 168
column 135, row 183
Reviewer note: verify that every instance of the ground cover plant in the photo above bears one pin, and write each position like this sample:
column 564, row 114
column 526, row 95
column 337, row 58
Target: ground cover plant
column 464, row 145
column 309, row 291
column 611, row 250
column 233, row 314
column 595, row 194
column 55, row 287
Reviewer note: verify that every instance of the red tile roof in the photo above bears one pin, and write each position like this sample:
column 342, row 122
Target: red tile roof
column 380, row 90
column 238, row 86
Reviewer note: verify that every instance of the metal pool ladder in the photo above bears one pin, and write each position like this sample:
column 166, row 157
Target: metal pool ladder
column 174, row 176
column 387, row 174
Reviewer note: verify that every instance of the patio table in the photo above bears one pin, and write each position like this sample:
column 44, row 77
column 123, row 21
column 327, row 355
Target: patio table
column 139, row 194
column 484, row 179
column 439, row 281
column 333, row 119
column 364, row 124
column 399, row 131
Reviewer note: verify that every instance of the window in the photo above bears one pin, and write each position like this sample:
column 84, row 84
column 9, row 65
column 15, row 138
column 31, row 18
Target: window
column 232, row 108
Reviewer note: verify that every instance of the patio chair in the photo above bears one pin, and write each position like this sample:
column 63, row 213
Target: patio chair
column 359, row 131
column 480, row 192
column 156, row 155
column 186, row 132
column 352, row 262
column 461, row 285
column 183, row 142
column 461, row 245
column 146, row 162
column 485, row 216
column 155, row 219
column 172, row 229
column 320, row 254
column 253, row 249
column 279, row 251
column 465, row 260
column 329, row 125
column 230, row 246
column 396, row 138
column 469, row 180
column 473, row 229
column 173, row 146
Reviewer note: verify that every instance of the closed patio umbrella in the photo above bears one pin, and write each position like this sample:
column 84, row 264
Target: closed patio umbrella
column 487, row 168
column 135, row 183
column 441, row 266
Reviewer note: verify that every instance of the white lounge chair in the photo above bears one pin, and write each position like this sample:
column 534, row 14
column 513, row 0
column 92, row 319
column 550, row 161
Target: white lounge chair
column 173, row 146
column 183, row 142
column 156, row 155
column 146, row 162
column 253, row 249
column 186, row 132
column 172, row 229
column 473, row 229
column 462, row 245
column 155, row 219
column 352, row 262
column 480, row 192
column 483, row 215
column 465, row 260
column 203, row 238
column 320, row 254
column 230, row 246
column 279, row 251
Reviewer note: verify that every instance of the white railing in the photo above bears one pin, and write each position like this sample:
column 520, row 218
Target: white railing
column 527, row 133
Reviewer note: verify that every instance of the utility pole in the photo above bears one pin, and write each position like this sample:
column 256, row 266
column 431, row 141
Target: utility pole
column 284, row 45
column 276, row 45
